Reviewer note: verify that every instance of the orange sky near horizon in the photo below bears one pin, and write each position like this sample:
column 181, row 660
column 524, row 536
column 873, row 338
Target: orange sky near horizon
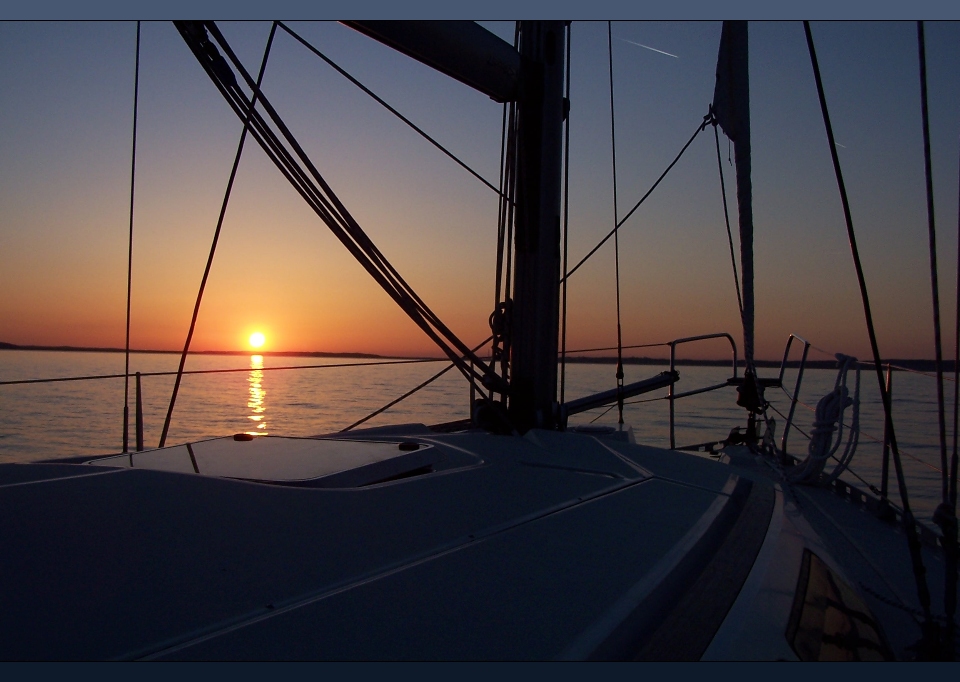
column 64, row 192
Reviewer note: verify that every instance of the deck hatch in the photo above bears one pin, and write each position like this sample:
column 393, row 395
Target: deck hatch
column 289, row 461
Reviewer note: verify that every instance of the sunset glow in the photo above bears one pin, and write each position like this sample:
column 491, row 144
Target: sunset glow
column 65, row 199
column 257, row 339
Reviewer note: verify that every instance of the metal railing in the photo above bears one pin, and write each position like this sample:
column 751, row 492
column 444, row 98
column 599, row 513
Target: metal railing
column 796, row 388
column 672, row 397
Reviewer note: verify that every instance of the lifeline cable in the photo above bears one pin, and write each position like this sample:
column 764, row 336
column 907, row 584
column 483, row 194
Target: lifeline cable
column 338, row 365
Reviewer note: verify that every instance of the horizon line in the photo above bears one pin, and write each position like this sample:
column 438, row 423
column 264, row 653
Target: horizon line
column 602, row 359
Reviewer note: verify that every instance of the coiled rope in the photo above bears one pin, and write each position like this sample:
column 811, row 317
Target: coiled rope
column 827, row 421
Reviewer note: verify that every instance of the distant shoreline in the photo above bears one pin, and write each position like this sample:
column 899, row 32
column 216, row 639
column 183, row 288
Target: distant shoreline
column 910, row 364
column 311, row 354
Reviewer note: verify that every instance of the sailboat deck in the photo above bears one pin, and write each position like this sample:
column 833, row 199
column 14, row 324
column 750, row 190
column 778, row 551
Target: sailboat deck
column 539, row 549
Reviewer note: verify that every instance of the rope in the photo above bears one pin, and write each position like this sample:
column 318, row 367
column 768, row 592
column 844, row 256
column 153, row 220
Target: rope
column 866, row 434
column 213, row 246
column 411, row 391
column 386, row 106
column 829, row 414
column 566, row 219
column 295, row 165
column 616, row 233
column 849, row 470
column 133, row 175
column 623, row 220
column 913, row 541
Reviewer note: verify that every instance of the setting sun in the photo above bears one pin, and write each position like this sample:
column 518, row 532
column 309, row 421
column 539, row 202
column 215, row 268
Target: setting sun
column 257, row 339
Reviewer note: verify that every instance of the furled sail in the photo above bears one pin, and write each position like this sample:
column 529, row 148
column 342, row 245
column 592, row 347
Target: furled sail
column 731, row 108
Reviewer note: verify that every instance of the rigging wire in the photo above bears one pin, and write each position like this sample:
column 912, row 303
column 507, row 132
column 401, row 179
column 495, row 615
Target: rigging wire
column 946, row 514
column 566, row 220
column 909, row 523
column 950, row 598
column 956, row 370
column 513, row 166
column 501, row 227
column 389, row 108
column 500, row 318
column 133, row 175
column 934, row 280
column 511, row 173
column 306, row 179
column 900, row 368
column 501, row 235
column 616, row 233
column 331, row 209
column 700, row 128
column 213, row 246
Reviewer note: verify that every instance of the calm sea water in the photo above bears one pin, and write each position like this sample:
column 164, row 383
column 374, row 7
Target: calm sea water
column 39, row 421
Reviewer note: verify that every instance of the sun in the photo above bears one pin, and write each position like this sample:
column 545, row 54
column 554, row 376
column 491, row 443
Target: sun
column 257, row 339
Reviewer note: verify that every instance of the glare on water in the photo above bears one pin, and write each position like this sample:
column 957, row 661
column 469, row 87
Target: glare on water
column 257, row 396
column 85, row 417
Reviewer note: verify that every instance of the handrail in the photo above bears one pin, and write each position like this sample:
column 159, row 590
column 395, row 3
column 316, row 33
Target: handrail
column 671, row 397
column 796, row 388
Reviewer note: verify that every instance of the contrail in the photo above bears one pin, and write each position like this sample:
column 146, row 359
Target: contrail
column 649, row 48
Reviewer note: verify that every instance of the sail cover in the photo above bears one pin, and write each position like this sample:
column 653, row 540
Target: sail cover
column 731, row 96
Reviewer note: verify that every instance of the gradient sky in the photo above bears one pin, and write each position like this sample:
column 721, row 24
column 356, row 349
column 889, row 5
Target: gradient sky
column 65, row 128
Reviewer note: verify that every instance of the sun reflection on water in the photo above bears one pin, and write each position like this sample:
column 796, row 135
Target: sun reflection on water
column 256, row 400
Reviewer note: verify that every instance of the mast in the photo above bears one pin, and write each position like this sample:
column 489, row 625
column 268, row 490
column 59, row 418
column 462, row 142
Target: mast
column 731, row 107
column 534, row 78
column 536, row 295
